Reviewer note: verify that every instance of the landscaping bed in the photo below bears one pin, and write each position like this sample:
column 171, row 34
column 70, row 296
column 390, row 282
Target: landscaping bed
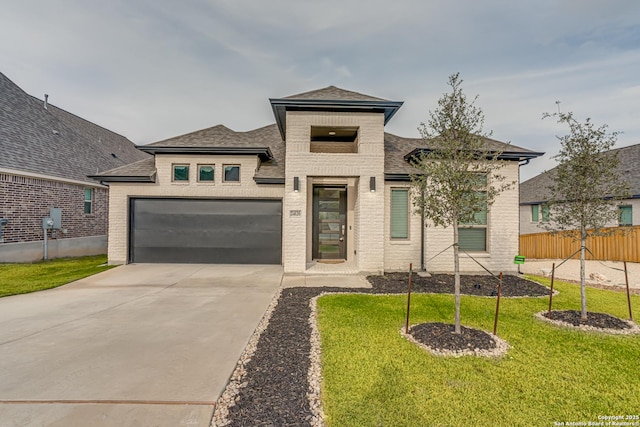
column 273, row 391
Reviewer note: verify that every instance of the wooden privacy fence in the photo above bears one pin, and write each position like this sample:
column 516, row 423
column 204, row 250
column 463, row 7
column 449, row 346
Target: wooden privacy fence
column 622, row 245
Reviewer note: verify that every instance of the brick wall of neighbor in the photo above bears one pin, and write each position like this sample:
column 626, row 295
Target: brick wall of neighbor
column 119, row 193
column 366, row 249
column 25, row 200
column 503, row 237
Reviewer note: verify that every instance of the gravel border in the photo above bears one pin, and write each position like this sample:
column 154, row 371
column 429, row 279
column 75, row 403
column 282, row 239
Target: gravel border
column 633, row 327
column 231, row 391
column 277, row 381
column 500, row 349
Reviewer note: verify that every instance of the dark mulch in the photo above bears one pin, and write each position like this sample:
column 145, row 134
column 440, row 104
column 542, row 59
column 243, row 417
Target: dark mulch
column 480, row 285
column 594, row 320
column 277, row 385
column 442, row 336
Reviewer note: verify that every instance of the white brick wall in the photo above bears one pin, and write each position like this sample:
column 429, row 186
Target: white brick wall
column 399, row 253
column 119, row 193
column 503, row 239
column 352, row 169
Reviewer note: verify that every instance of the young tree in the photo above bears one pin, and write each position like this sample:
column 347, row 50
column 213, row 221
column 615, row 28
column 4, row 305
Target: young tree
column 457, row 179
column 586, row 187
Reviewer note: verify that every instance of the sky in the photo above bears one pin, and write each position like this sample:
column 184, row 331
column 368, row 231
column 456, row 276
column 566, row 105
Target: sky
column 154, row 69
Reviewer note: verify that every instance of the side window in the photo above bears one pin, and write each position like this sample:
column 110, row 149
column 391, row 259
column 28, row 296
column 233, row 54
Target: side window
column 545, row 213
column 399, row 213
column 88, row 200
column 231, row 173
column 625, row 215
column 180, row 173
column 205, row 173
column 535, row 213
column 473, row 236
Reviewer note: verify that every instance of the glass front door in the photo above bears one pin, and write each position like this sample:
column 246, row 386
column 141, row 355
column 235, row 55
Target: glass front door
column 329, row 222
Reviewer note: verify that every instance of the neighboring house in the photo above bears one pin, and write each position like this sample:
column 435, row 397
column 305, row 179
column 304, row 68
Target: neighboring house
column 535, row 193
column 323, row 189
column 46, row 154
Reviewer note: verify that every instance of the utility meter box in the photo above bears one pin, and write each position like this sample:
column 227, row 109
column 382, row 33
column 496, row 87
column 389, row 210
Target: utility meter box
column 56, row 215
column 47, row 223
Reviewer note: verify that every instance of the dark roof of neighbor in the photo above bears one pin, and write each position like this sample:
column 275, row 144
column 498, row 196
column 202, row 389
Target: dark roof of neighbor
column 536, row 190
column 53, row 141
column 333, row 99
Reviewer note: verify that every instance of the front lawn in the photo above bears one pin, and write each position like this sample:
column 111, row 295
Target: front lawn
column 24, row 278
column 374, row 377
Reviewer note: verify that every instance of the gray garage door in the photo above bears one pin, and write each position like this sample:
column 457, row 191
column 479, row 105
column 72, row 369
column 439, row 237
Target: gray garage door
column 206, row 231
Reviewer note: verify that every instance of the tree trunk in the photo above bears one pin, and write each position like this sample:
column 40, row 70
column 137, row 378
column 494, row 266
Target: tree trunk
column 456, row 275
column 583, row 282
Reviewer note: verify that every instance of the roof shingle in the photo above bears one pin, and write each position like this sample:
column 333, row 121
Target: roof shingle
column 536, row 190
column 53, row 141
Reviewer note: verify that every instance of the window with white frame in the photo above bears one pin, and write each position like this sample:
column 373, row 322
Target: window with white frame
column 399, row 213
column 472, row 236
column 231, row 173
column 625, row 215
column 88, row 200
column 205, row 173
column 180, row 173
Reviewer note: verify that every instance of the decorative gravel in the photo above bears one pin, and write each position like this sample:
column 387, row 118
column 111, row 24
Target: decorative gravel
column 596, row 322
column 441, row 340
column 478, row 285
column 275, row 383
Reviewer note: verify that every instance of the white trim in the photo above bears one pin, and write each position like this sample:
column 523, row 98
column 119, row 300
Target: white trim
column 51, row 178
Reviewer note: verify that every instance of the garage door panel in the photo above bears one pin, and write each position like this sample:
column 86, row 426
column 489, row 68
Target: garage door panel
column 206, row 231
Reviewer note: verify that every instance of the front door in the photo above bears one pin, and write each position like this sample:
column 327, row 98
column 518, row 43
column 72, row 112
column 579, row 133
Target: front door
column 329, row 222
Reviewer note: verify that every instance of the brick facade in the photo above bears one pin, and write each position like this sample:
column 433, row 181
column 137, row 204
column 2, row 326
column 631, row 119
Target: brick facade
column 25, row 200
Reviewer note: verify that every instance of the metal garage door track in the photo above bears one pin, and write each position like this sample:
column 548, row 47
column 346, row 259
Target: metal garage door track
column 139, row 345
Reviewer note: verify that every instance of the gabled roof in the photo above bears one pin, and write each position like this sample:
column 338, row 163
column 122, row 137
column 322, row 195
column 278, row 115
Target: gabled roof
column 265, row 142
column 53, row 141
column 536, row 190
column 331, row 98
column 399, row 151
column 334, row 93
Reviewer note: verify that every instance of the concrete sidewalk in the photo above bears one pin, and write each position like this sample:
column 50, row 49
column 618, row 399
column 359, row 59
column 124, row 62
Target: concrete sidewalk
column 608, row 273
column 139, row 345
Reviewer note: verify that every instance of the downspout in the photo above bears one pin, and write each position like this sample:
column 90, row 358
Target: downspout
column 423, row 267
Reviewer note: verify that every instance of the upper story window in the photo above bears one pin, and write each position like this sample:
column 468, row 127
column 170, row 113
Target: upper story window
column 205, row 173
column 327, row 139
column 180, row 173
column 231, row 173
column 88, row 200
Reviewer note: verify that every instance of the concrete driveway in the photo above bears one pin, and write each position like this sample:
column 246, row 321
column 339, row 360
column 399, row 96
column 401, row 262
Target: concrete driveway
column 138, row 345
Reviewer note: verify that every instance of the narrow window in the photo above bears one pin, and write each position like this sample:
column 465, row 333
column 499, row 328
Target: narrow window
column 535, row 213
column 473, row 236
column 88, row 200
column 231, row 173
column 546, row 213
column 399, row 213
column 205, row 173
column 181, row 172
column 625, row 215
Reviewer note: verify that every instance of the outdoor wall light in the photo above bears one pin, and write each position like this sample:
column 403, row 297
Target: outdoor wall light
column 296, row 184
column 372, row 184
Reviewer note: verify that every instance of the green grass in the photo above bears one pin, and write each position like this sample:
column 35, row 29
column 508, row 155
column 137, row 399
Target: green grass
column 24, row 278
column 374, row 377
